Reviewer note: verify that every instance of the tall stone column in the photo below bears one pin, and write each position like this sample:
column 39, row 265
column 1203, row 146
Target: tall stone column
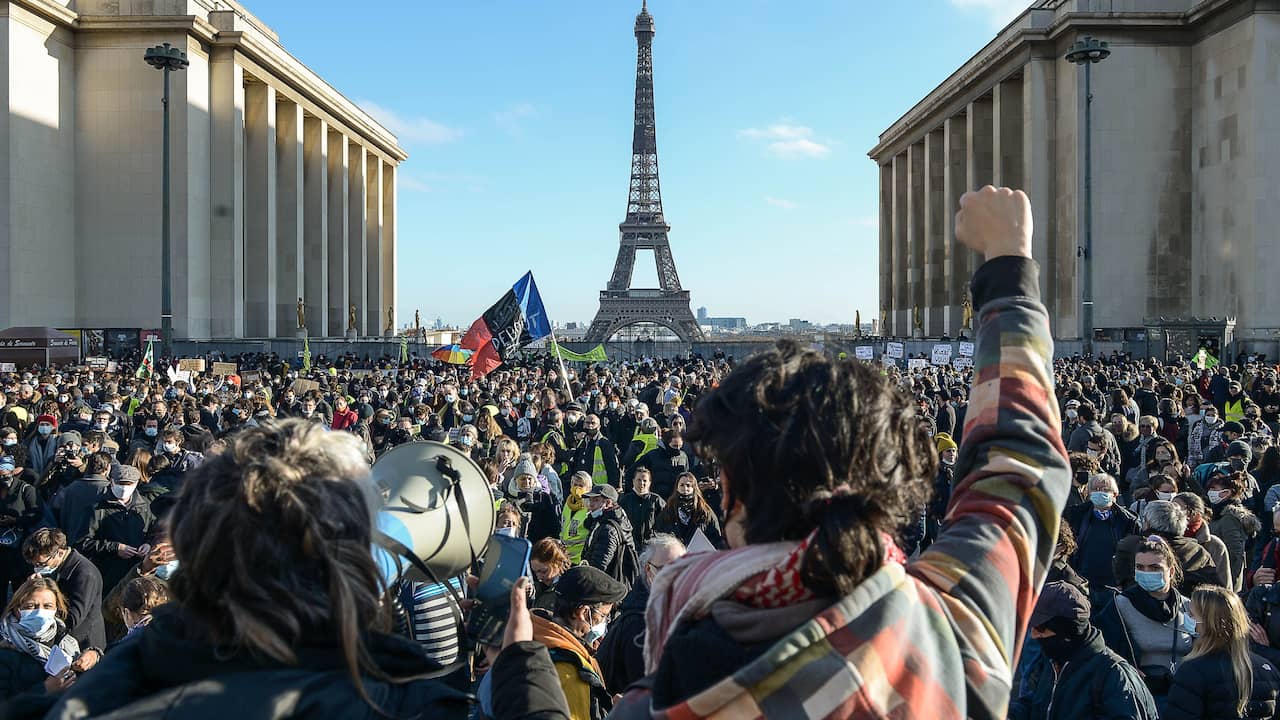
column 935, row 220
column 226, row 194
column 357, row 279
column 260, row 210
column 388, row 246
column 979, row 156
column 290, row 202
column 888, row 273
column 955, row 257
column 915, row 233
column 1039, row 122
column 315, row 251
column 374, row 302
column 900, row 318
column 1006, row 134
column 337, row 235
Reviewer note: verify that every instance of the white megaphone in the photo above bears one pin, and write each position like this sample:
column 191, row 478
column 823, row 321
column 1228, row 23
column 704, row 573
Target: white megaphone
column 438, row 512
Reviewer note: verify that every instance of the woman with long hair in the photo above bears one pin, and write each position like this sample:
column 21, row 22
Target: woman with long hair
column 687, row 512
column 34, row 623
column 278, row 601
column 1220, row 678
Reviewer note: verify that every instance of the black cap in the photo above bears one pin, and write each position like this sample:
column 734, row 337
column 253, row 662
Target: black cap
column 1060, row 600
column 1239, row 448
column 585, row 585
column 573, row 407
column 604, row 491
column 1234, row 427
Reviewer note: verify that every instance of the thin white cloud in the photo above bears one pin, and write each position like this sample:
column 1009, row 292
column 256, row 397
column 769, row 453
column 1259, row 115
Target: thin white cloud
column 788, row 141
column 780, row 203
column 997, row 12
column 411, row 129
column 510, row 119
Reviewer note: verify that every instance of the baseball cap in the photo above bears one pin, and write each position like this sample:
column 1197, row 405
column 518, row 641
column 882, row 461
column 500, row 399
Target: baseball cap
column 604, row 491
column 585, row 585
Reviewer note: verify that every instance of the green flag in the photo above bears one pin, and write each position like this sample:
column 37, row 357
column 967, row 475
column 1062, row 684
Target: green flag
column 1204, row 360
column 306, row 355
column 404, row 349
column 147, row 368
column 596, row 354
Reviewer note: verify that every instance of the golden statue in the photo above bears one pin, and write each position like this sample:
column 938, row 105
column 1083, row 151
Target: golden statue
column 967, row 305
column 351, row 317
column 915, row 317
column 391, row 320
column 884, row 321
column 302, row 315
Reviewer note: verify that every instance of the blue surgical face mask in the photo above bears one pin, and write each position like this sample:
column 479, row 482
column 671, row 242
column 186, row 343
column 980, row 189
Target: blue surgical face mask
column 44, row 428
column 151, row 432
column 1100, row 499
column 1149, row 581
column 35, row 623
column 164, row 572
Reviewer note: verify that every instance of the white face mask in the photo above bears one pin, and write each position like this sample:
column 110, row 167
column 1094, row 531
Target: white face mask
column 171, row 447
column 1215, row 496
column 123, row 492
column 597, row 631
column 1164, row 495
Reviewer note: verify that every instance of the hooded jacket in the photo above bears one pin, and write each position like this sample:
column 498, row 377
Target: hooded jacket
column 1234, row 524
column 1095, row 683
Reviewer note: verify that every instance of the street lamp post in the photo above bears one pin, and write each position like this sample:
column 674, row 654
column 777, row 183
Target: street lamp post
column 166, row 59
column 1086, row 51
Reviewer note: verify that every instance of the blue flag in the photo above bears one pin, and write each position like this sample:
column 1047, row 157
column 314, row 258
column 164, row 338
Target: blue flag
column 536, row 325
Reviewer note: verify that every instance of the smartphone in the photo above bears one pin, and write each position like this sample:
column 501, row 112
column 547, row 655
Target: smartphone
column 506, row 560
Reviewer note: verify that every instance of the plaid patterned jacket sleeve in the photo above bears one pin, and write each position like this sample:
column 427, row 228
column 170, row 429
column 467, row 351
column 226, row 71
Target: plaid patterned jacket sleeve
column 984, row 573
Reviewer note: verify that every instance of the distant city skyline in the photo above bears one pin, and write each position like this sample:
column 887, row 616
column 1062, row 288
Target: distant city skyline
column 518, row 126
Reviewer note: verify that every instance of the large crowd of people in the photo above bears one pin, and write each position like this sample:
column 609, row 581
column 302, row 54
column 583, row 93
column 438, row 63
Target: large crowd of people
column 788, row 535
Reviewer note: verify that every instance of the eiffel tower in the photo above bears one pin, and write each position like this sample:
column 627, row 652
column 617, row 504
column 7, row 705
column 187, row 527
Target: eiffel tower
column 644, row 227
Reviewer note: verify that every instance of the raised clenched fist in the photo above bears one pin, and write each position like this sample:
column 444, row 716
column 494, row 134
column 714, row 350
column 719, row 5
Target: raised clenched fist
column 995, row 222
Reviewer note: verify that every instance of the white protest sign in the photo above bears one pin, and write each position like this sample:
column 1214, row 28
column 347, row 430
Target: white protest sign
column 917, row 364
column 8, row 367
column 941, row 354
column 894, row 349
column 888, row 361
column 863, row 352
column 966, row 349
column 961, row 363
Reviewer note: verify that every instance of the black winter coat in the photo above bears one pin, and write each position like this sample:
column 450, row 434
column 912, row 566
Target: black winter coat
column 611, row 546
column 81, row 582
column 170, row 670
column 19, row 673
column 1204, row 688
column 1094, row 683
column 112, row 525
column 621, row 652
column 665, row 465
column 643, row 511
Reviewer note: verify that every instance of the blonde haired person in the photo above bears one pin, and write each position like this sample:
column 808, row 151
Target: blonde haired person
column 1220, row 678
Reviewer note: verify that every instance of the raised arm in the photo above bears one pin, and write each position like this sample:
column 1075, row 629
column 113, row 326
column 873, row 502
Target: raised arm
column 997, row 540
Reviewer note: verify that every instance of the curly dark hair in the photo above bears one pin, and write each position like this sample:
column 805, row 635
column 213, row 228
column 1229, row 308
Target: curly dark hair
column 806, row 441
column 273, row 537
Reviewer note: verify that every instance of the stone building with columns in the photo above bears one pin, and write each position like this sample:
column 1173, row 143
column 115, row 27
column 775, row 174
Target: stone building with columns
column 1185, row 172
column 281, row 187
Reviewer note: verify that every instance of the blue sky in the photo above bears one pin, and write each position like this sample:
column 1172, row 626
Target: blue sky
column 517, row 118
